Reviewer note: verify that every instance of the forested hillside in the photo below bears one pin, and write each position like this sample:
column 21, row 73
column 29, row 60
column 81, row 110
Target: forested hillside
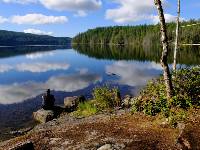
column 9, row 38
column 141, row 34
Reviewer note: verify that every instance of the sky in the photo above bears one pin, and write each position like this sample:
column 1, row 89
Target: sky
column 70, row 17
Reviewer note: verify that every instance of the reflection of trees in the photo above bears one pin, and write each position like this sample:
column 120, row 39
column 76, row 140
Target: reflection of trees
column 187, row 55
column 20, row 50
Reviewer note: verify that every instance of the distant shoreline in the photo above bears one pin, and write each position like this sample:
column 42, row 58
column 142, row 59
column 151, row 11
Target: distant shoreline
column 10, row 38
column 30, row 45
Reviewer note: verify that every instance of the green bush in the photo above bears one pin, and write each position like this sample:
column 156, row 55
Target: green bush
column 177, row 115
column 86, row 109
column 187, row 88
column 153, row 99
column 106, row 98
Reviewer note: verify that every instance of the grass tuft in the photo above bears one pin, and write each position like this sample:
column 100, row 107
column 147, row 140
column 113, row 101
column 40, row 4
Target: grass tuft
column 86, row 109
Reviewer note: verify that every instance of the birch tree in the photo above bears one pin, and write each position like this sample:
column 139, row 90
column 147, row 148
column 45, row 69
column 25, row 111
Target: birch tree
column 177, row 36
column 165, row 45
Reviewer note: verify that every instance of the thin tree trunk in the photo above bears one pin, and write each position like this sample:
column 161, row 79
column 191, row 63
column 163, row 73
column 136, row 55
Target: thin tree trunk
column 177, row 36
column 163, row 60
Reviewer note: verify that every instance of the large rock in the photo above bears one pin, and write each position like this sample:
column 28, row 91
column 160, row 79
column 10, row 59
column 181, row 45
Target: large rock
column 71, row 103
column 43, row 116
column 106, row 147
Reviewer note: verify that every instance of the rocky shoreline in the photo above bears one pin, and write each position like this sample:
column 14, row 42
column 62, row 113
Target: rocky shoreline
column 71, row 105
column 104, row 131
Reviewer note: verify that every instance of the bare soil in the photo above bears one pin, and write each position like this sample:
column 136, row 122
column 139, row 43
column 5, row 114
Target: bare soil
column 123, row 131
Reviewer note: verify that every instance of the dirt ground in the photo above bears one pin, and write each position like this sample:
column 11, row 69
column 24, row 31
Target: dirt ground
column 124, row 131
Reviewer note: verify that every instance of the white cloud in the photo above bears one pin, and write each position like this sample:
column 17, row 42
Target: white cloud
column 36, row 31
column 41, row 67
column 3, row 20
column 168, row 18
column 36, row 19
column 20, row 1
column 80, row 14
column 132, row 11
column 81, row 7
column 19, row 92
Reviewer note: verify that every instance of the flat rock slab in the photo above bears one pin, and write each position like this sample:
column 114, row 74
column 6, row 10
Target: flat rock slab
column 106, row 147
column 43, row 116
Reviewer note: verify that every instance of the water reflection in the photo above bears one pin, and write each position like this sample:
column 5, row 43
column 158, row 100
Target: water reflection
column 41, row 67
column 5, row 68
column 28, row 75
column 21, row 50
column 34, row 67
column 26, row 72
column 73, row 82
column 18, row 92
column 134, row 74
column 38, row 55
column 187, row 55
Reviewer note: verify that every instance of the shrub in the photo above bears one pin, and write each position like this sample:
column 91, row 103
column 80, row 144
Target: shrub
column 187, row 88
column 106, row 98
column 177, row 115
column 153, row 100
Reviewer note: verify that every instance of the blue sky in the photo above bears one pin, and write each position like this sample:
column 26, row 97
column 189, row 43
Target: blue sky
column 69, row 17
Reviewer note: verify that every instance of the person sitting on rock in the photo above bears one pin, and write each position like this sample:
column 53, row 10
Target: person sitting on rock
column 48, row 101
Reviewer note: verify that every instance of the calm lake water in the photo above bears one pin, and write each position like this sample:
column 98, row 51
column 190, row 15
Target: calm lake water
column 26, row 72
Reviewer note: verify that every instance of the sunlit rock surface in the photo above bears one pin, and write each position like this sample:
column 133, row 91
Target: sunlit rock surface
column 71, row 103
column 43, row 116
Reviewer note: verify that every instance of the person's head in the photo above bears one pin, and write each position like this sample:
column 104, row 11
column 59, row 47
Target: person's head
column 48, row 91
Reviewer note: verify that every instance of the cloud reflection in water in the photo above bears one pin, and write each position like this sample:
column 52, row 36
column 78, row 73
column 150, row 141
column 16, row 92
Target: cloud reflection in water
column 38, row 55
column 41, row 67
column 18, row 92
column 38, row 67
column 134, row 74
column 5, row 68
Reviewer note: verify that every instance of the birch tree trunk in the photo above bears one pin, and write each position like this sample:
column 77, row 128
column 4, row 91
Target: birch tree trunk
column 165, row 44
column 177, row 36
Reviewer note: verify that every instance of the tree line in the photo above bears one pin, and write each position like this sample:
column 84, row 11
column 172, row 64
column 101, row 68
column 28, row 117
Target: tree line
column 140, row 34
column 10, row 38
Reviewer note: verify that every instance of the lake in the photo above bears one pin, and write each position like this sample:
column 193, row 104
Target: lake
column 26, row 73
